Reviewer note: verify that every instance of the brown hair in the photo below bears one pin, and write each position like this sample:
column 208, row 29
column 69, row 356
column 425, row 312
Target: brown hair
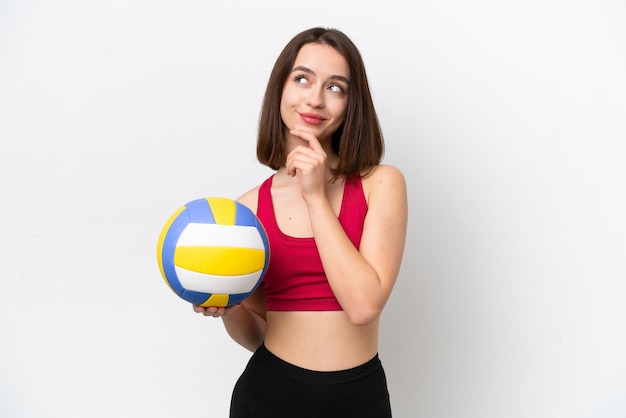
column 358, row 142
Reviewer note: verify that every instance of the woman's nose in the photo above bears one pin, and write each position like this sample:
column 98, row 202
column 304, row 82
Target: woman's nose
column 315, row 97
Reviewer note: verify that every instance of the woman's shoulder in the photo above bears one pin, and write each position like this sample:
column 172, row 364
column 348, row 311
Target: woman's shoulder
column 382, row 175
column 384, row 184
column 251, row 197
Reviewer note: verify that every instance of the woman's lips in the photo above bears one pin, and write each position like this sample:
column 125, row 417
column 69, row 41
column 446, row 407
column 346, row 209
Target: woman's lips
column 311, row 118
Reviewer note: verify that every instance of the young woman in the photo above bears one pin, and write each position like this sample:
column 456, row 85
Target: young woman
column 336, row 219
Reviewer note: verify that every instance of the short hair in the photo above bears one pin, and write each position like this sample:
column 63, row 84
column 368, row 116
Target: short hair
column 359, row 140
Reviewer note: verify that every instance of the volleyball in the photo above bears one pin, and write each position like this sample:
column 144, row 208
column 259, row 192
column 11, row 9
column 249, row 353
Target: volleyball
column 213, row 252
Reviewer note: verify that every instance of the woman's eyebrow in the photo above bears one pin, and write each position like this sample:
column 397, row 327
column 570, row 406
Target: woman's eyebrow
column 309, row 71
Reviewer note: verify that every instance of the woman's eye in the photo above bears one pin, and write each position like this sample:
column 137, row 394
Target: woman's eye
column 335, row 88
column 301, row 79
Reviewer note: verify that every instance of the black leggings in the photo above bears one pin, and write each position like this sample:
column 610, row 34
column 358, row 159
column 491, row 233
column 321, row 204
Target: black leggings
column 272, row 388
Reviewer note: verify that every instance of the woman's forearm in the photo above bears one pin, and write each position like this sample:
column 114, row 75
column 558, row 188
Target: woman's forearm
column 245, row 327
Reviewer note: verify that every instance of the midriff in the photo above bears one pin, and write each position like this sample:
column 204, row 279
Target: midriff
column 322, row 341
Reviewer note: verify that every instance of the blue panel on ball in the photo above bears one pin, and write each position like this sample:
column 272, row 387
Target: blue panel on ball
column 244, row 215
column 197, row 298
column 266, row 243
column 234, row 299
column 200, row 212
column 169, row 247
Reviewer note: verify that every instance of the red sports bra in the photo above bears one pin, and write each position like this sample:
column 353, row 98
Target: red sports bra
column 295, row 279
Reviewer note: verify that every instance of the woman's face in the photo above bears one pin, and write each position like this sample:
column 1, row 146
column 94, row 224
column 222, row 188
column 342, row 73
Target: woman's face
column 315, row 96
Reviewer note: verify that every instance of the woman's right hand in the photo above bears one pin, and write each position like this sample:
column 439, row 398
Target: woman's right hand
column 215, row 311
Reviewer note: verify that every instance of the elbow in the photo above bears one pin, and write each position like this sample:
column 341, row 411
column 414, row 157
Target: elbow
column 363, row 316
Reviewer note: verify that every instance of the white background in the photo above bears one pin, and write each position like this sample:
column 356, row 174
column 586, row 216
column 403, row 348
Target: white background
column 507, row 118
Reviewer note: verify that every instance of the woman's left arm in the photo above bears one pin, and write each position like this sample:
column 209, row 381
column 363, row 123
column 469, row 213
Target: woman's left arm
column 362, row 280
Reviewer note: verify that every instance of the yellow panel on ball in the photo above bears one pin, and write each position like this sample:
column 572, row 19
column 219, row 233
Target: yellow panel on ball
column 225, row 261
column 223, row 210
column 216, row 300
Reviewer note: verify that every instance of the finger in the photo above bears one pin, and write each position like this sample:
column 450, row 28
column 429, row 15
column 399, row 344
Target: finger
column 314, row 143
column 299, row 159
column 303, row 163
column 307, row 155
column 215, row 310
column 198, row 309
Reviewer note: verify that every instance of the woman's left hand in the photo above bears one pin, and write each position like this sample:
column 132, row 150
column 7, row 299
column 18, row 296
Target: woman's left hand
column 308, row 163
